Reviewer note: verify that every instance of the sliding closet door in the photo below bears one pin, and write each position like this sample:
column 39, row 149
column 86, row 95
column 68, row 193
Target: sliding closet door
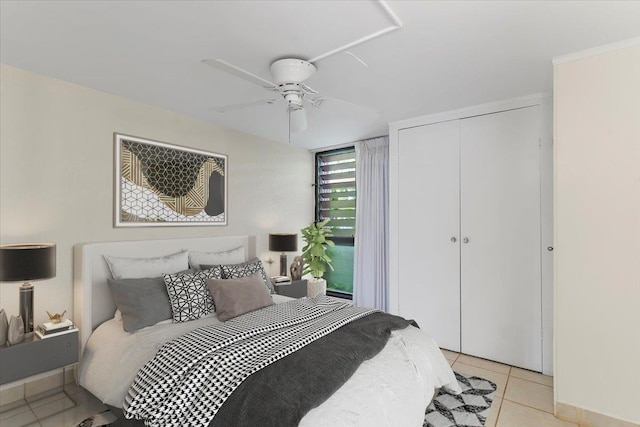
column 500, row 230
column 429, row 251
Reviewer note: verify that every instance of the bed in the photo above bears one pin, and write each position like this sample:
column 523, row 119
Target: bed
column 390, row 387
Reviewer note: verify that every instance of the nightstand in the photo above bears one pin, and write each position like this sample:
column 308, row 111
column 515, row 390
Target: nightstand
column 34, row 356
column 295, row 289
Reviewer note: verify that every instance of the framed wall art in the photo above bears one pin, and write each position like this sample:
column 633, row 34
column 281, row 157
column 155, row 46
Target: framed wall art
column 159, row 184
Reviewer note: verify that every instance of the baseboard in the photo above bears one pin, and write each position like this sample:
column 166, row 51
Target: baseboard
column 587, row 418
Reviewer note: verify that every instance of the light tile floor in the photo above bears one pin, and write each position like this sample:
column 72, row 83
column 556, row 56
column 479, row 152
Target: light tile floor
column 53, row 408
column 523, row 398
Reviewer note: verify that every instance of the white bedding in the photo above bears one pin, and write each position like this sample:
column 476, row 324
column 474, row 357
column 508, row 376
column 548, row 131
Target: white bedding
column 374, row 396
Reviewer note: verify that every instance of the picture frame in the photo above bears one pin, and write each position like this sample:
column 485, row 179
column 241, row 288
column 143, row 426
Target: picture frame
column 166, row 185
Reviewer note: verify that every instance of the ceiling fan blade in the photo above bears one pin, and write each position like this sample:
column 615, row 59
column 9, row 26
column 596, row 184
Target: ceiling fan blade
column 239, row 72
column 326, row 101
column 316, row 102
column 307, row 90
column 225, row 108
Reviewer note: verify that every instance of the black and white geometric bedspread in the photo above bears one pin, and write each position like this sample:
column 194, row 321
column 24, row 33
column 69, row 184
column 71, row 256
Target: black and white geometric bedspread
column 190, row 377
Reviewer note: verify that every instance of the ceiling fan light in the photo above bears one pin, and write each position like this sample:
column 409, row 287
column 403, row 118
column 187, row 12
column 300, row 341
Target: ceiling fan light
column 298, row 119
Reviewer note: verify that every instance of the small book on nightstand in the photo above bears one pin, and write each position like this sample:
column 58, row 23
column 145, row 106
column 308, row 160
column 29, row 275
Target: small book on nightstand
column 281, row 280
column 50, row 326
column 49, row 329
column 42, row 336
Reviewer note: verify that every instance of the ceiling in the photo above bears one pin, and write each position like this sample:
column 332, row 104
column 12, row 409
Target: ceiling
column 447, row 55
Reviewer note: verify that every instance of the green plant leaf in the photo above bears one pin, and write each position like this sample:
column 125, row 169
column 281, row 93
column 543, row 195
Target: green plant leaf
column 314, row 252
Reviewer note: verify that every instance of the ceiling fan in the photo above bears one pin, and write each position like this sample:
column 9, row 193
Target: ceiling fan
column 288, row 75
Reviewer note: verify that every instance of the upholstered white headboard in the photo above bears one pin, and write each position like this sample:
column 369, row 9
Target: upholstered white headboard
column 93, row 303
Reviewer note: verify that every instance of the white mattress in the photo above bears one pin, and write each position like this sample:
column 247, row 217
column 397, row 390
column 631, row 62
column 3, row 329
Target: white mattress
column 391, row 389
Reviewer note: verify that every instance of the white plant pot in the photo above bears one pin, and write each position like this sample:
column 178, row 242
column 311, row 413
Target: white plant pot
column 316, row 287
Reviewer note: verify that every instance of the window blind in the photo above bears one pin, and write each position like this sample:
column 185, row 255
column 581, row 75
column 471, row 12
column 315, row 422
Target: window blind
column 336, row 192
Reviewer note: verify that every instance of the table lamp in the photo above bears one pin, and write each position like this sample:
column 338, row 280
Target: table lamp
column 24, row 262
column 283, row 242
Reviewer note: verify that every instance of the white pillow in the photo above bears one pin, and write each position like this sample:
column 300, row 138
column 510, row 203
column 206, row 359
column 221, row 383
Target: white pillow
column 232, row 256
column 138, row 268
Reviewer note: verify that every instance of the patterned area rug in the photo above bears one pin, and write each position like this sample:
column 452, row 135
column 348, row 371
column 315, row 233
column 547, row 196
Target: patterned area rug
column 468, row 409
column 102, row 419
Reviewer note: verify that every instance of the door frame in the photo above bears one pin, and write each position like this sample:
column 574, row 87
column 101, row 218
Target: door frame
column 546, row 202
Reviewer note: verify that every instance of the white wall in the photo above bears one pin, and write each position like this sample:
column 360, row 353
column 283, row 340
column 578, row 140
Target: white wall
column 56, row 175
column 597, row 232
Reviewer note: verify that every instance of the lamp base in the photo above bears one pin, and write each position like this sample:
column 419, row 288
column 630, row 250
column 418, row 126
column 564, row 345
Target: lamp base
column 283, row 264
column 26, row 307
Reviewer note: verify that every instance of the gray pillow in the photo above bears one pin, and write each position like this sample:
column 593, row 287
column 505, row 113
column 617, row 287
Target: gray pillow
column 196, row 258
column 234, row 271
column 142, row 302
column 136, row 268
column 234, row 297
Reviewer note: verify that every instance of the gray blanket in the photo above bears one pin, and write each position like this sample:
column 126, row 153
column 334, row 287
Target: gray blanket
column 283, row 392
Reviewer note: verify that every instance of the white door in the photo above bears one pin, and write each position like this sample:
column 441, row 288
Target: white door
column 500, row 231
column 429, row 251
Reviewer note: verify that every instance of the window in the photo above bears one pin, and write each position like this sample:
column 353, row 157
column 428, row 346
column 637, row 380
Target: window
column 336, row 200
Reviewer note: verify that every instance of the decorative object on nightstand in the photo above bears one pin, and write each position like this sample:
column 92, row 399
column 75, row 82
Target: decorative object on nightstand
column 281, row 280
column 15, row 333
column 314, row 254
column 283, row 242
column 296, row 268
column 23, row 262
column 56, row 318
column 4, row 327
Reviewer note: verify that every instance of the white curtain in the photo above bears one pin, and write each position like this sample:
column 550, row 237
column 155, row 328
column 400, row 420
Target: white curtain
column 370, row 286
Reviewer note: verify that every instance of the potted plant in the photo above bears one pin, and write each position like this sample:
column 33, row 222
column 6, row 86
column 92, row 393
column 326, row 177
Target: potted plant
column 314, row 255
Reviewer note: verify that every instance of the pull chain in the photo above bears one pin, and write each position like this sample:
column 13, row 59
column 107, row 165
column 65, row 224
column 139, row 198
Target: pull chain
column 289, row 120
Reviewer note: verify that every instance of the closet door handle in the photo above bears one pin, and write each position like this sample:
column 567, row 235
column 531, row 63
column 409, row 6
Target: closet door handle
column 453, row 239
column 465, row 240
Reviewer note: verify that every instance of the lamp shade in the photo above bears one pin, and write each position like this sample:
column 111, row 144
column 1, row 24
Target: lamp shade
column 283, row 242
column 27, row 261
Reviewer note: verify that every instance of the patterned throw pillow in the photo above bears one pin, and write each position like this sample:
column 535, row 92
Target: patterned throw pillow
column 190, row 299
column 234, row 271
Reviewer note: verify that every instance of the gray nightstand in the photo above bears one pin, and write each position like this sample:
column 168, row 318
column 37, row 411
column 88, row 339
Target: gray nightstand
column 34, row 356
column 297, row 289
